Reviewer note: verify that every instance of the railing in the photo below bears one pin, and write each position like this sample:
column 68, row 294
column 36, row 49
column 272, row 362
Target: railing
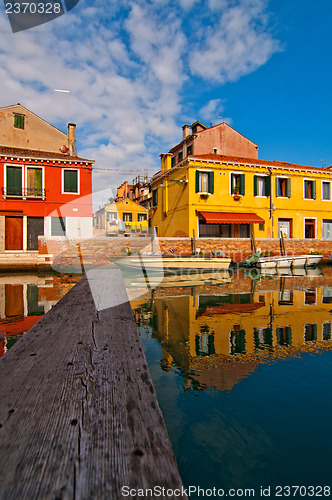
column 14, row 192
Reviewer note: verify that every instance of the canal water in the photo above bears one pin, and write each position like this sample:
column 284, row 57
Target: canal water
column 24, row 298
column 242, row 367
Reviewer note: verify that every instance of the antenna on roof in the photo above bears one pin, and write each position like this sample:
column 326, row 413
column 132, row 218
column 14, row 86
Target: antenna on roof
column 324, row 164
column 65, row 92
column 223, row 118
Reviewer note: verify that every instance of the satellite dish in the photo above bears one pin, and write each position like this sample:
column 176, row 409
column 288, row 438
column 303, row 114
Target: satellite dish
column 64, row 149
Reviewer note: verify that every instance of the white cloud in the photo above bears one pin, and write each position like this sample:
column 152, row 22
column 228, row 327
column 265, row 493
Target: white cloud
column 127, row 64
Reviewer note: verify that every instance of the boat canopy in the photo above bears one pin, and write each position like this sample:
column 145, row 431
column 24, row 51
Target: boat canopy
column 231, row 218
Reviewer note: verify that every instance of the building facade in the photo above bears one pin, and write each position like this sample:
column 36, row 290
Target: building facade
column 218, row 195
column 124, row 217
column 44, row 191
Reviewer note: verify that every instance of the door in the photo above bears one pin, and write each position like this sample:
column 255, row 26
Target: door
column 309, row 228
column 284, row 226
column 14, row 233
column 35, row 229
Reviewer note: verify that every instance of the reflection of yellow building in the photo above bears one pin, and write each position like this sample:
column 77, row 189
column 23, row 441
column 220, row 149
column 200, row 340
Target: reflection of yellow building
column 125, row 216
column 204, row 331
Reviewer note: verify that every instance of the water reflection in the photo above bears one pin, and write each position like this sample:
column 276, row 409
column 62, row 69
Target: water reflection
column 217, row 335
column 24, row 298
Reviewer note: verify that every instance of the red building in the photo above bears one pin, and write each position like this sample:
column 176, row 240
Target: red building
column 46, row 189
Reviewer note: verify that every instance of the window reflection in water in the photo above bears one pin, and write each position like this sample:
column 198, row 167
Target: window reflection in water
column 206, row 331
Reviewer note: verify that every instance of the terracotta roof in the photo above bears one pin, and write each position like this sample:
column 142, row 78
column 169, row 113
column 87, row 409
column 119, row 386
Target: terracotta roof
column 253, row 161
column 31, row 153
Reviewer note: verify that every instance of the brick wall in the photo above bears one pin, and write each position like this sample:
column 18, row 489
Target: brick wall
column 96, row 250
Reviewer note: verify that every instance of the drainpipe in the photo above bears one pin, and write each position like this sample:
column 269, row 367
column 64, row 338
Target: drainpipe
column 271, row 202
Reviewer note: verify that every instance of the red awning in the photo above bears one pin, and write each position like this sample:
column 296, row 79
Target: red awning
column 231, row 218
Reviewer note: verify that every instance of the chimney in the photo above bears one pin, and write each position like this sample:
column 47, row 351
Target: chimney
column 71, row 139
column 186, row 131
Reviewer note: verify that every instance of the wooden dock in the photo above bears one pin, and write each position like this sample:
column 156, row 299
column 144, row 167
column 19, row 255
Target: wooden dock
column 79, row 417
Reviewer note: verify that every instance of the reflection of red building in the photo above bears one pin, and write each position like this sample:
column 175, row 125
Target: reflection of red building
column 45, row 187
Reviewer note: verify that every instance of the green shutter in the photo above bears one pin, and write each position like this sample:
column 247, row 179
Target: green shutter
column 197, row 181
column 14, row 181
column 255, row 185
column 70, row 184
column 211, row 182
column 58, row 226
column 288, row 187
column 277, row 187
column 242, row 184
column 314, row 190
column 267, row 186
column 306, row 189
column 154, row 198
column 18, row 121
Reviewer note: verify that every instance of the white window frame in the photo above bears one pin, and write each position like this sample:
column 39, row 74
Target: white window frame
column 230, row 182
column 63, row 181
column 310, row 218
column 262, row 176
column 207, row 172
column 312, row 199
column 24, row 174
column 283, row 177
column 328, row 182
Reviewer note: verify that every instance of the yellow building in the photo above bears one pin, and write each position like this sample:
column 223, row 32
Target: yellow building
column 125, row 217
column 217, row 195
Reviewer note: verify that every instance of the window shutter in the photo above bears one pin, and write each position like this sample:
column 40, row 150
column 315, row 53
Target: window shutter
column 14, row 181
column 267, row 186
column 154, row 198
column 306, row 189
column 288, row 188
column 314, row 190
column 70, row 181
column 197, row 181
column 211, row 182
column 277, row 187
column 242, row 183
column 255, row 185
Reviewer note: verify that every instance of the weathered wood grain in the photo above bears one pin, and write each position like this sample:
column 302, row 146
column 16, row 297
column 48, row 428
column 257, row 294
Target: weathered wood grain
column 78, row 411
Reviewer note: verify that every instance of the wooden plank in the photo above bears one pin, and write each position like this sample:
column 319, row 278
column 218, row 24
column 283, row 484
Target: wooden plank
column 78, row 411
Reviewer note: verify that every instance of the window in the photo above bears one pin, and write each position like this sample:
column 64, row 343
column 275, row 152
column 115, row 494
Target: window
column 70, row 181
column 309, row 190
column 189, row 150
column 173, row 161
column 58, row 226
column 309, row 228
column 34, row 182
column 180, row 156
column 310, row 332
column 14, row 181
column 155, row 197
column 111, row 216
column 283, row 187
column 19, row 121
column 327, row 228
column 284, row 335
column 204, row 182
column 127, row 216
column 141, row 217
column 326, row 190
column 237, row 184
column 24, row 182
column 261, row 226
column 261, row 185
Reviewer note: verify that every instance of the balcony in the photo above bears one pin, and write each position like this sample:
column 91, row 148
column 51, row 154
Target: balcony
column 24, row 193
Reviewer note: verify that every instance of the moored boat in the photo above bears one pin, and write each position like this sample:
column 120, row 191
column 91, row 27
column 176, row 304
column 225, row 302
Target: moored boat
column 287, row 261
column 173, row 263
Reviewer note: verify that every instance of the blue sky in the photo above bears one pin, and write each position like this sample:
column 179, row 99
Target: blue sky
column 137, row 70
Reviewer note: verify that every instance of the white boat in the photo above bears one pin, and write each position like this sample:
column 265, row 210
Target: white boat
column 173, row 264
column 288, row 261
